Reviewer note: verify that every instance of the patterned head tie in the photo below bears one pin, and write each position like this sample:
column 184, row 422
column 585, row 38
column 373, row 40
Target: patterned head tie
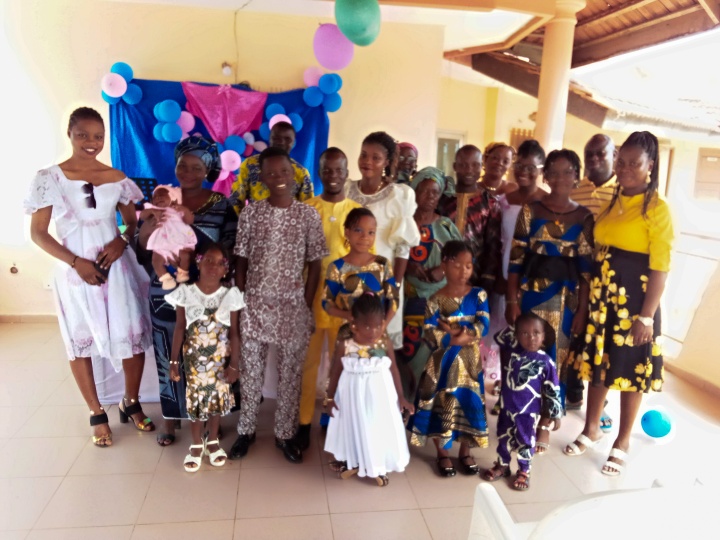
column 447, row 187
column 411, row 146
column 206, row 150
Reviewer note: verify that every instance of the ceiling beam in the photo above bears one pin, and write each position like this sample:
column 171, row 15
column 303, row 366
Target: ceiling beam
column 526, row 78
column 638, row 27
column 633, row 39
column 712, row 9
column 536, row 7
column 614, row 12
column 517, row 36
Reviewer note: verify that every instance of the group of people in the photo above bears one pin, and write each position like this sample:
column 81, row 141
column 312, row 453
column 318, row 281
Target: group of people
column 409, row 279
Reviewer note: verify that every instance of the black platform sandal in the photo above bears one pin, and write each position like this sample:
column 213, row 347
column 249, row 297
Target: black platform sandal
column 126, row 412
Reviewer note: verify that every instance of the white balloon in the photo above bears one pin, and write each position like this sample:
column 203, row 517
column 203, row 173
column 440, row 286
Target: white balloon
column 249, row 138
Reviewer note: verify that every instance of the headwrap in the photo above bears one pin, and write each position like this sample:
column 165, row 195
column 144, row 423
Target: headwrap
column 206, row 150
column 446, row 183
column 174, row 192
column 408, row 145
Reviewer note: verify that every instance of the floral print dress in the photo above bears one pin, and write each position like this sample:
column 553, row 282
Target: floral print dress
column 207, row 347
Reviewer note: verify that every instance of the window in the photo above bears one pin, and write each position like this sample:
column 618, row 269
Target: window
column 448, row 143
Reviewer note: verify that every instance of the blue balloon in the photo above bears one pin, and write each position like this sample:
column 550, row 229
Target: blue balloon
column 328, row 84
column 108, row 99
column 168, row 111
column 656, row 423
column 332, row 102
column 171, row 132
column 297, row 121
column 313, row 96
column 220, row 147
column 235, row 142
column 339, row 80
column 157, row 132
column 274, row 109
column 122, row 69
column 265, row 131
column 156, row 110
column 133, row 95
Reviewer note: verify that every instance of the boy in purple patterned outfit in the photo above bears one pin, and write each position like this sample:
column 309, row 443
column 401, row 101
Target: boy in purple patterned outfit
column 530, row 388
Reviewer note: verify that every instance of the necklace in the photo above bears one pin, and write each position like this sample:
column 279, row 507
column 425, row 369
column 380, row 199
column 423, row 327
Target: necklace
column 377, row 189
column 556, row 214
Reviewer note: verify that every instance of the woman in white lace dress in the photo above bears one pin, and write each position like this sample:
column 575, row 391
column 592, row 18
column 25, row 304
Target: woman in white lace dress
column 100, row 290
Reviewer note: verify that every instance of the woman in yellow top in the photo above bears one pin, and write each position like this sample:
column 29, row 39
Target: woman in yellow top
column 633, row 238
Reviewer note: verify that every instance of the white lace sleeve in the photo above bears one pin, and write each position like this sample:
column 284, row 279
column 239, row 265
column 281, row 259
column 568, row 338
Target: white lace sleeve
column 184, row 297
column 233, row 300
column 45, row 191
column 404, row 232
column 130, row 192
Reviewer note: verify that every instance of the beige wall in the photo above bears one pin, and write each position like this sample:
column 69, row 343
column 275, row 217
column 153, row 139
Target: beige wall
column 463, row 109
column 55, row 52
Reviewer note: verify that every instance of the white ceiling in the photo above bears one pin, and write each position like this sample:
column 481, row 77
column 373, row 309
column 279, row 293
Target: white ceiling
column 462, row 28
column 676, row 81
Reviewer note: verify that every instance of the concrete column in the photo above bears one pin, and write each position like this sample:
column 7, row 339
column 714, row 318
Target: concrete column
column 555, row 74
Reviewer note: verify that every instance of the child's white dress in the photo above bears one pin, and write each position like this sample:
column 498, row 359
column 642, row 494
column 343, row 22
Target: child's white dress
column 367, row 429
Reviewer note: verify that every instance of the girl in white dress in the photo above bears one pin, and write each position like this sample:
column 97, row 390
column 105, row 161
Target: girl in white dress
column 366, row 433
column 100, row 290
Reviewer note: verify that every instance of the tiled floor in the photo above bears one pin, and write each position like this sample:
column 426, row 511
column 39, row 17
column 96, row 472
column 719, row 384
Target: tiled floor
column 55, row 484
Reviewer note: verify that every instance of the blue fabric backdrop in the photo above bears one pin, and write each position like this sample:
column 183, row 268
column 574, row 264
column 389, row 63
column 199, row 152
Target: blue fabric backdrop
column 138, row 154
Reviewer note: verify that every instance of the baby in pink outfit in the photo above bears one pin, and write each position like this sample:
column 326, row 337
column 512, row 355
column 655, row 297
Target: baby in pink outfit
column 173, row 240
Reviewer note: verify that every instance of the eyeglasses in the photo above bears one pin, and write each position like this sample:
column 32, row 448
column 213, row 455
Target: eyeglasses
column 530, row 169
column 89, row 190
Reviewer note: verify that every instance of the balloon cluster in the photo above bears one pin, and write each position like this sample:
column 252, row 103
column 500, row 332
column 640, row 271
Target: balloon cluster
column 275, row 113
column 116, row 85
column 324, row 91
column 174, row 124
column 232, row 150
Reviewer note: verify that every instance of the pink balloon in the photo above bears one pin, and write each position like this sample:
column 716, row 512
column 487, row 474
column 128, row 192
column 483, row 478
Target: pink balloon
column 186, row 121
column 260, row 145
column 312, row 75
column 223, row 174
column 332, row 49
column 279, row 118
column 113, row 85
column 248, row 150
column 185, row 135
column 230, row 160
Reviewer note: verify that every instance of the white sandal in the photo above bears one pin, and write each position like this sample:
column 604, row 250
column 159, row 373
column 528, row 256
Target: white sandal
column 613, row 468
column 572, row 449
column 194, row 460
column 217, row 458
column 544, row 445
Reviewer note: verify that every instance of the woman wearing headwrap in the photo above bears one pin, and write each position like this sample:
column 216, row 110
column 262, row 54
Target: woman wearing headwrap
column 213, row 220
column 407, row 162
column 424, row 275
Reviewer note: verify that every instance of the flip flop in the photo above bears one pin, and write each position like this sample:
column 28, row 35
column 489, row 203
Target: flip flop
column 606, row 423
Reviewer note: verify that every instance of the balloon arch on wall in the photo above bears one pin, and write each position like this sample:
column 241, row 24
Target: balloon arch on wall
column 147, row 118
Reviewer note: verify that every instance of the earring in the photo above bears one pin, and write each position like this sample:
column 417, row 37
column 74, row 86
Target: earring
column 347, row 243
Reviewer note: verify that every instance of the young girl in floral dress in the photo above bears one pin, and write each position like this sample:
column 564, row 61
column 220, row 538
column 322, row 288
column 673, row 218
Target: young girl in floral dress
column 207, row 329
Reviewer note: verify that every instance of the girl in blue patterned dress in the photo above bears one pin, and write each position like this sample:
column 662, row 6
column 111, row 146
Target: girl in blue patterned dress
column 450, row 403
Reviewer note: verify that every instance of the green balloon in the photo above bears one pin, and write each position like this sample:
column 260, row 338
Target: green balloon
column 358, row 20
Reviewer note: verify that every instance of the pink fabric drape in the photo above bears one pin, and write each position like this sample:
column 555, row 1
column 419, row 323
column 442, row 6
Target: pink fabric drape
column 225, row 110
column 224, row 186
